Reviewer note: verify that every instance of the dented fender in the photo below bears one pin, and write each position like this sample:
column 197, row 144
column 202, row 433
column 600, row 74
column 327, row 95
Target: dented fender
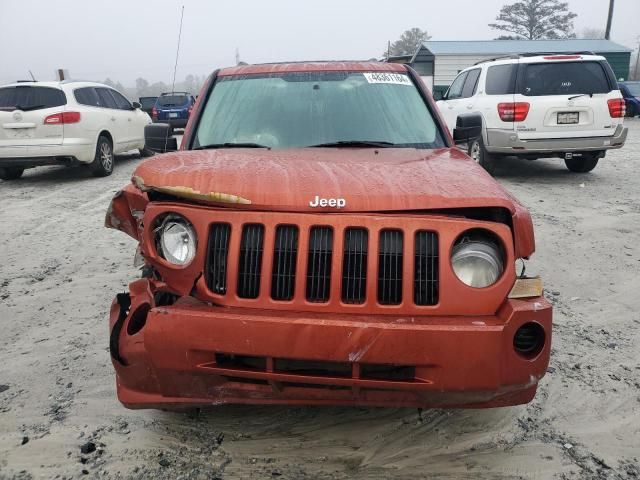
column 125, row 211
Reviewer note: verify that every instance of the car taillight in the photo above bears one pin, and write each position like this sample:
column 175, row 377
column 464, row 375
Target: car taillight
column 62, row 117
column 617, row 107
column 190, row 110
column 154, row 112
column 513, row 111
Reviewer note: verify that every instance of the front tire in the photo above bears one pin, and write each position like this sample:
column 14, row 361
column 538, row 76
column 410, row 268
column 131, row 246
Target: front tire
column 102, row 165
column 11, row 173
column 481, row 156
column 583, row 164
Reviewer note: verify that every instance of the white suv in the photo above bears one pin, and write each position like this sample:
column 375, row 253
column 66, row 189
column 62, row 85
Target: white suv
column 565, row 106
column 66, row 123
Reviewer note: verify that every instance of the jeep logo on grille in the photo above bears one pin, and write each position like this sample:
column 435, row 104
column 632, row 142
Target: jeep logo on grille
column 327, row 202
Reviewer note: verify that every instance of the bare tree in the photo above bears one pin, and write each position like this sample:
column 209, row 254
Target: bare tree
column 408, row 43
column 536, row 19
column 591, row 32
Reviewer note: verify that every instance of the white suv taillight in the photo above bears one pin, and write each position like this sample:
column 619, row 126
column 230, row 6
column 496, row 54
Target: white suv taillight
column 513, row 111
column 617, row 107
column 62, row 117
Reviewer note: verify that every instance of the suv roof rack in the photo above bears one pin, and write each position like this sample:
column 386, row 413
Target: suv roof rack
column 173, row 93
column 533, row 54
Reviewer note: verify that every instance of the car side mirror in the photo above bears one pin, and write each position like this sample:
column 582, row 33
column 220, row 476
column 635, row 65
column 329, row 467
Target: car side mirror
column 468, row 127
column 136, row 105
column 158, row 138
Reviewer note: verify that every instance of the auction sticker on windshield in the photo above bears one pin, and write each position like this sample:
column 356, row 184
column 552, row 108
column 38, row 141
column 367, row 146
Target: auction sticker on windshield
column 383, row 77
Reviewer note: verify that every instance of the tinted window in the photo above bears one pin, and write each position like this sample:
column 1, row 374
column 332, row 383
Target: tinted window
column 563, row 78
column 289, row 110
column 123, row 103
column 501, row 79
column 106, row 100
column 30, row 98
column 173, row 100
column 87, row 96
column 470, row 83
column 148, row 102
column 634, row 88
column 455, row 90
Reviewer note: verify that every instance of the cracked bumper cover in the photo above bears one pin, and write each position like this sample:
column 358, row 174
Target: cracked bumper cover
column 170, row 361
column 509, row 142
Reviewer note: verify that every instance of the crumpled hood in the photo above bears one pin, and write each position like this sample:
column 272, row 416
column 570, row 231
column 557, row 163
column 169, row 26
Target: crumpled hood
column 390, row 180
column 382, row 180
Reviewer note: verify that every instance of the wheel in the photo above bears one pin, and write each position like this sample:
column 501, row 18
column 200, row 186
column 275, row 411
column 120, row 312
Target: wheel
column 478, row 152
column 145, row 152
column 583, row 164
column 102, row 165
column 11, row 173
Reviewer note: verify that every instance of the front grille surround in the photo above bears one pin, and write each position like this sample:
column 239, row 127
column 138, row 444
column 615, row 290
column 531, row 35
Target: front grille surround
column 453, row 297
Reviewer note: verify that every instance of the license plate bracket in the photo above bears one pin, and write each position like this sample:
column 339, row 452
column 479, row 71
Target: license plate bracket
column 568, row 118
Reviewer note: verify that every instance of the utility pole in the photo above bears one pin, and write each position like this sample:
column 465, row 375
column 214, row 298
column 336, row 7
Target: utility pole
column 607, row 32
column 237, row 56
column 635, row 70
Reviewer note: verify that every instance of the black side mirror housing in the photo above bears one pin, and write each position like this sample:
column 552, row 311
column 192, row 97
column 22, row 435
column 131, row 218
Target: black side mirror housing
column 136, row 105
column 158, row 137
column 468, row 127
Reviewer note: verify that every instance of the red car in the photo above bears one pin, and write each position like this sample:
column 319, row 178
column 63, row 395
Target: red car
column 319, row 239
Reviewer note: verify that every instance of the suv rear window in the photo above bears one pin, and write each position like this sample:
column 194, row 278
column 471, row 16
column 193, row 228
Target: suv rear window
column 563, row 78
column 31, row 98
column 148, row 102
column 501, row 79
column 173, row 100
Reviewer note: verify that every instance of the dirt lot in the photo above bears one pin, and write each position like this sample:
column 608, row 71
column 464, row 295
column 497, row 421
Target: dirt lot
column 59, row 269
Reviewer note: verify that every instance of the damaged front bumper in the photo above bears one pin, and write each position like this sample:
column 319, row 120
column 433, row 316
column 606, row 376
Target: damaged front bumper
column 173, row 352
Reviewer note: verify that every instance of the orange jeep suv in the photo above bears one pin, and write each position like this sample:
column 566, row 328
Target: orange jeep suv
column 318, row 239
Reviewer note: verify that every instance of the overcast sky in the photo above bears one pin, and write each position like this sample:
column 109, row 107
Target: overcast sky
column 126, row 39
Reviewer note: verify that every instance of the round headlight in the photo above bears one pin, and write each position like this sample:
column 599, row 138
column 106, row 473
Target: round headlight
column 477, row 262
column 177, row 240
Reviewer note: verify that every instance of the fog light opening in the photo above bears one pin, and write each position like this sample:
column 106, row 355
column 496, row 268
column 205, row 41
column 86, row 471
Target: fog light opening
column 138, row 319
column 528, row 340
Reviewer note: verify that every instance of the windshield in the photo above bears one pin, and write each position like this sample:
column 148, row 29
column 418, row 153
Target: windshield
column 172, row 100
column 634, row 88
column 31, row 98
column 564, row 78
column 315, row 108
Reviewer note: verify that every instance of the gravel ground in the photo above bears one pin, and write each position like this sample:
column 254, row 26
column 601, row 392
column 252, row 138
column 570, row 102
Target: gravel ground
column 59, row 417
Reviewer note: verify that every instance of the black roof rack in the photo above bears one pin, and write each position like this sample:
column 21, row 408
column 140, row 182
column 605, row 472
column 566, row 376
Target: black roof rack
column 533, row 54
column 174, row 93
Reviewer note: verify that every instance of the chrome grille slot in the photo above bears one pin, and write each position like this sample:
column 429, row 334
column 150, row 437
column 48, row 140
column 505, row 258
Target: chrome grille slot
column 354, row 265
column 250, row 261
column 425, row 275
column 285, row 255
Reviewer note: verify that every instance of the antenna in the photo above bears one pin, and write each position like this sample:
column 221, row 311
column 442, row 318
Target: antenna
column 175, row 67
column 32, row 77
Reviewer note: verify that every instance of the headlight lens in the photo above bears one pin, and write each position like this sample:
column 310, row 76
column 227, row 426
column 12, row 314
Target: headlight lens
column 477, row 260
column 177, row 240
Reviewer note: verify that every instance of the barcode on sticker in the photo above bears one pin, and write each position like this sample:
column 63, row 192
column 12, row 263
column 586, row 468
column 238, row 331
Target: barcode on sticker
column 384, row 77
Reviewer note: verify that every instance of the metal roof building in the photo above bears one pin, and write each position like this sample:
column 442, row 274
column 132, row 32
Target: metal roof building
column 438, row 62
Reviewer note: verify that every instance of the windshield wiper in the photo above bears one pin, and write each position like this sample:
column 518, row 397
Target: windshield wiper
column 581, row 95
column 355, row 143
column 231, row 145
